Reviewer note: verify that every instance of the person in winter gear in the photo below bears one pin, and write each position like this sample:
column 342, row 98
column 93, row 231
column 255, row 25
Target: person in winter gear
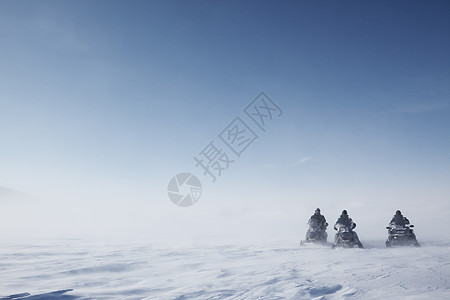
column 399, row 219
column 320, row 218
column 345, row 220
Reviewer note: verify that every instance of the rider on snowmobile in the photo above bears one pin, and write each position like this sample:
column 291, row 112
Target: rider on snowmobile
column 345, row 220
column 399, row 219
column 403, row 235
column 317, row 227
column 320, row 218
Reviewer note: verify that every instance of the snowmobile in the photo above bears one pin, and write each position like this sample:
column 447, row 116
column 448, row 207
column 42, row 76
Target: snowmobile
column 401, row 235
column 315, row 233
column 345, row 237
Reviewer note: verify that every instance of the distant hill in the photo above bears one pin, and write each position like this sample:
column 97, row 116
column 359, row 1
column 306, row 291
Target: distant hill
column 7, row 194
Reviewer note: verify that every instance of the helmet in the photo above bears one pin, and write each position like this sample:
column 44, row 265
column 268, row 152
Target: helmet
column 398, row 212
column 344, row 212
column 317, row 211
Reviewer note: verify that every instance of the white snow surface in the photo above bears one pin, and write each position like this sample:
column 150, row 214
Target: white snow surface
column 78, row 269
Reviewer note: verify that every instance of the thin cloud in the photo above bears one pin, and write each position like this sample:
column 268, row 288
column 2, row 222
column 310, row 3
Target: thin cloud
column 58, row 34
column 420, row 108
column 302, row 161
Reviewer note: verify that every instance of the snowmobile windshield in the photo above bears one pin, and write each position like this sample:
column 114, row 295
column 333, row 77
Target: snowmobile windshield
column 398, row 226
column 342, row 228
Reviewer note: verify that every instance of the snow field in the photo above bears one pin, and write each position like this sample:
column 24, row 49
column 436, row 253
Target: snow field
column 154, row 271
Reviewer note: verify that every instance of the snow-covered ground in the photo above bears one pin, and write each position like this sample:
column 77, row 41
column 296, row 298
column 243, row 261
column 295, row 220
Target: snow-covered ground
column 75, row 269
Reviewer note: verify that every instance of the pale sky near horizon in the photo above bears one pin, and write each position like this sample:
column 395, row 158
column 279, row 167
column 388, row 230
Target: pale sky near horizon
column 102, row 102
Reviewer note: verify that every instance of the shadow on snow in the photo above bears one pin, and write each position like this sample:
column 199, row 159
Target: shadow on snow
column 57, row 295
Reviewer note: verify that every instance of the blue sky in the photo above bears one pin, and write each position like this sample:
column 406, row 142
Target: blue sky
column 104, row 101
